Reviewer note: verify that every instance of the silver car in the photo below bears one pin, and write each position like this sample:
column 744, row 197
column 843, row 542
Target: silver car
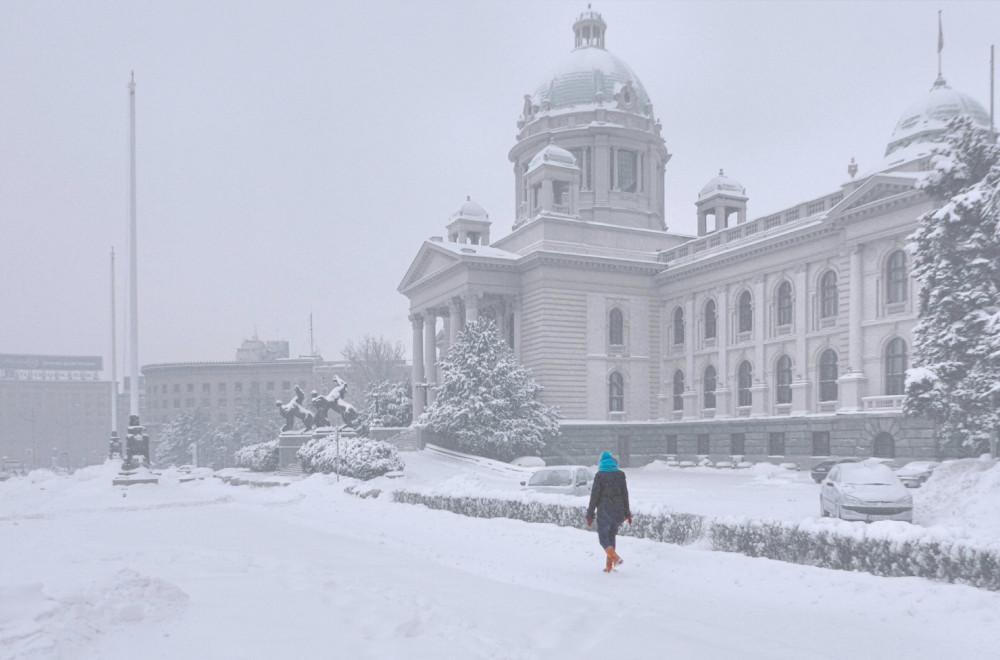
column 915, row 473
column 563, row 479
column 864, row 491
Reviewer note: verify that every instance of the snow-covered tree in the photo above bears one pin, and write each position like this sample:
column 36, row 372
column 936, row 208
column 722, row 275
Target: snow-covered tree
column 389, row 404
column 487, row 402
column 173, row 447
column 373, row 360
column 255, row 421
column 956, row 250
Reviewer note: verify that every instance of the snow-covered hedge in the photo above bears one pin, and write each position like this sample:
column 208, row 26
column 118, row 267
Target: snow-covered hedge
column 894, row 550
column 262, row 457
column 360, row 458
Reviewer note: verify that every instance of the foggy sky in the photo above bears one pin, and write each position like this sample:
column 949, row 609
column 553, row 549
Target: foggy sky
column 292, row 156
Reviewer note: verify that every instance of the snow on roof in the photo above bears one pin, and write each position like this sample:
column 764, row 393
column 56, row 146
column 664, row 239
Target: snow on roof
column 468, row 249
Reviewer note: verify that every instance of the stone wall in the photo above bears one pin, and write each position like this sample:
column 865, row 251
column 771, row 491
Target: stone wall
column 850, row 435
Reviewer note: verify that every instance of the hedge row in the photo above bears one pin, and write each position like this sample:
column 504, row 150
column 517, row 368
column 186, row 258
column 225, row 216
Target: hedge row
column 806, row 544
column 262, row 457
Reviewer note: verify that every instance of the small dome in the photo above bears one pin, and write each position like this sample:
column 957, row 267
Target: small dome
column 722, row 185
column 553, row 155
column 926, row 119
column 471, row 210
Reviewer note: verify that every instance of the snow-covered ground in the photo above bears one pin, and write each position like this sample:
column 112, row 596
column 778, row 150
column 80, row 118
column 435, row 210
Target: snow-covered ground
column 206, row 570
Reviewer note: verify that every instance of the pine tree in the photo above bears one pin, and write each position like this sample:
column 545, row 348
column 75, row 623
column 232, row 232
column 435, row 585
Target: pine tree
column 487, row 402
column 173, row 446
column 956, row 248
column 389, row 404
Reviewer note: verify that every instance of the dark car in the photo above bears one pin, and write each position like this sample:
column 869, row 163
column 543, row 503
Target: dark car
column 821, row 469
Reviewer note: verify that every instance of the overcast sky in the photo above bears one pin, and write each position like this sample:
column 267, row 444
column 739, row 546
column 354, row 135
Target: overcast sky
column 292, row 156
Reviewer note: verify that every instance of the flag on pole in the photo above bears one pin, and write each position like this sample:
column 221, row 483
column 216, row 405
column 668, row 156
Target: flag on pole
column 940, row 33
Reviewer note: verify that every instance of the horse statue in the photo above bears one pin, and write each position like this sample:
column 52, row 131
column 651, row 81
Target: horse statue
column 334, row 401
column 294, row 409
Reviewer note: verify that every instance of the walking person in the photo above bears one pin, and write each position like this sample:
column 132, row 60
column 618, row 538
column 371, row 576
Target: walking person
column 609, row 497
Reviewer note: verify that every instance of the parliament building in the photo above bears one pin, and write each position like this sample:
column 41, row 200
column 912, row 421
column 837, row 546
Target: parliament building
column 782, row 338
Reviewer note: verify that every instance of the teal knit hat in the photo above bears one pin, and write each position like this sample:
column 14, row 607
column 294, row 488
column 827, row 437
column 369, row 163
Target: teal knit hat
column 607, row 463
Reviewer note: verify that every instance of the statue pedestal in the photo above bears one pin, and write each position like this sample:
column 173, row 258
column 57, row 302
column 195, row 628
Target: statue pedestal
column 288, row 445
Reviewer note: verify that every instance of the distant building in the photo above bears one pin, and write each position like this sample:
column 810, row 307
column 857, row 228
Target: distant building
column 55, row 411
column 784, row 337
column 261, row 374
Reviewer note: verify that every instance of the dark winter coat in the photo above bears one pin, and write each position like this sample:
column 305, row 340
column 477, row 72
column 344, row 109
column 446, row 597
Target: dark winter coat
column 609, row 496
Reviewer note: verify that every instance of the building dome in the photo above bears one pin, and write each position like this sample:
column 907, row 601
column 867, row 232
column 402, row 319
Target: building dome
column 591, row 74
column 722, row 185
column 926, row 119
column 471, row 210
column 553, row 155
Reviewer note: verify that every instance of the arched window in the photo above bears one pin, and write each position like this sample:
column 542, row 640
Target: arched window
column 710, row 319
column 708, row 387
column 828, row 375
column 616, row 328
column 616, row 392
column 785, row 303
column 895, row 367
column 678, row 390
column 883, row 446
column 895, row 277
column 828, row 295
column 745, row 312
column 744, row 381
column 679, row 325
column 783, row 380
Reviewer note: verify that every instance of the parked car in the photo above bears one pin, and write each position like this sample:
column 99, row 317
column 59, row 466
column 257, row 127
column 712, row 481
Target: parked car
column 563, row 479
column 888, row 462
column 915, row 473
column 821, row 469
column 864, row 491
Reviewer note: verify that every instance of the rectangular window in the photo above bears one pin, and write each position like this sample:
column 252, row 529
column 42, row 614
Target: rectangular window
column 222, row 388
column 223, row 403
column 177, row 389
column 821, row 443
column 190, row 387
column 163, row 388
column 255, row 387
column 286, row 385
column 189, row 403
column 737, row 444
column 238, row 387
column 206, row 387
column 672, row 444
column 177, row 403
column 164, row 404
column 628, row 170
column 205, row 403
column 703, row 443
column 776, row 443
column 270, row 386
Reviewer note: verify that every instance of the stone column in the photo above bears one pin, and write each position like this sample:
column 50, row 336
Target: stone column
column 430, row 353
column 446, row 333
column 720, row 217
column 722, row 327
column 455, row 323
column 516, row 306
column 800, row 373
column 471, row 307
column 419, row 398
column 852, row 385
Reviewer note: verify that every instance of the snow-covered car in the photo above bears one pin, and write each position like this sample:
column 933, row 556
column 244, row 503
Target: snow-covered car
column 864, row 491
column 821, row 469
column 915, row 473
column 563, row 479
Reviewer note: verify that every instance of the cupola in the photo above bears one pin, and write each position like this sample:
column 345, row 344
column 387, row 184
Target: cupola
column 470, row 224
column 720, row 198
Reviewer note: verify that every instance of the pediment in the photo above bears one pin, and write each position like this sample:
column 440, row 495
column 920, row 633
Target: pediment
column 876, row 188
column 430, row 259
